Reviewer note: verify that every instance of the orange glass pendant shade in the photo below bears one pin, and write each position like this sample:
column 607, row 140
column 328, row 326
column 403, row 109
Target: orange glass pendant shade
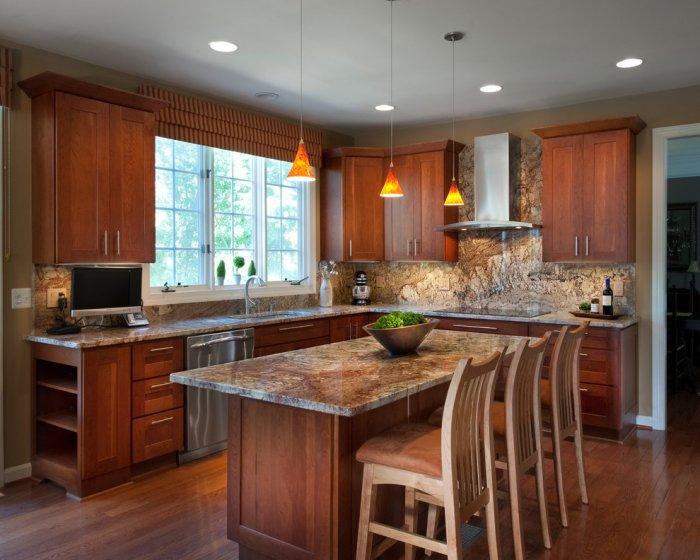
column 454, row 197
column 301, row 171
column 391, row 188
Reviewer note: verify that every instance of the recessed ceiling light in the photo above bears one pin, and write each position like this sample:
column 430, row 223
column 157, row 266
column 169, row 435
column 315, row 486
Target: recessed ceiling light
column 629, row 63
column 223, row 46
column 490, row 88
column 384, row 107
column 267, row 95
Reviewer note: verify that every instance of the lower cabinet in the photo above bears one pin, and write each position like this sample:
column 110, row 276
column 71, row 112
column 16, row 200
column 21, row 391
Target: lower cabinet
column 485, row 326
column 348, row 327
column 157, row 434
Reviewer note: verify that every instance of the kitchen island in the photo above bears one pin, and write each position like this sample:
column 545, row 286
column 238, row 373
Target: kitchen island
column 295, row 422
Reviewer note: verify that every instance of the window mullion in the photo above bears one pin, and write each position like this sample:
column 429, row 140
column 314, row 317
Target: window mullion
column 208, row 215
column 260, row 217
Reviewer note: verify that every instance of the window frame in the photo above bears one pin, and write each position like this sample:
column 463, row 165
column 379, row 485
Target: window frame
column 153, row 295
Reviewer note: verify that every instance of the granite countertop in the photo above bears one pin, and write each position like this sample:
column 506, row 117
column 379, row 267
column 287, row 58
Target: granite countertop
column 121, row 335
column 346, row 378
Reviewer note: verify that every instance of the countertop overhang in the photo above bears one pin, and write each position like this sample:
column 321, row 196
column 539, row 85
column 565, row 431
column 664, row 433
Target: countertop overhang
column 91, row 338
column 347, row 378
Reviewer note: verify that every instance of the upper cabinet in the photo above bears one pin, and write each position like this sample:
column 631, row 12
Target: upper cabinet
column 358, row 225
column 588, row 191
column 93, row 189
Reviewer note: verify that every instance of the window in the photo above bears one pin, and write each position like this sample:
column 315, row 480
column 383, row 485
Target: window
column 213, row 205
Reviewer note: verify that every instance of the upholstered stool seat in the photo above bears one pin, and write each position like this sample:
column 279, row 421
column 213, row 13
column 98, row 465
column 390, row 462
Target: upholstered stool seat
column 409, row 447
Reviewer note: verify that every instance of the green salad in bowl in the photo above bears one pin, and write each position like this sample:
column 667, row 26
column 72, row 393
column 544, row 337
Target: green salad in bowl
column 401, row 332
column 397, row 319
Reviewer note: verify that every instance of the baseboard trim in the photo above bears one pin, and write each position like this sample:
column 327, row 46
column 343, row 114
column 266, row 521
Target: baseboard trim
column 645, row 421
column 18, row 472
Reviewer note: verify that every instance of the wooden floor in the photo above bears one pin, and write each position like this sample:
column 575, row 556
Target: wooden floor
column 645, row 503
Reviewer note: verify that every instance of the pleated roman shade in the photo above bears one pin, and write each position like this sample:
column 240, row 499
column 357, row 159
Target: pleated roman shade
column 5, row 76
column 195, row 120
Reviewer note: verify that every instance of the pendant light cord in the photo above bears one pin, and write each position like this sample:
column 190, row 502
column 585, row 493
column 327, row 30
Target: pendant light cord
column 301, row 69
column 391, row 81
column 453, row 108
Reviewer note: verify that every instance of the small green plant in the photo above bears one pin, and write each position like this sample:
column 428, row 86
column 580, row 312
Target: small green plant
column 238, row 262
column 397, row 319
column 221, row 269
column 252, row 271
column 585, row 306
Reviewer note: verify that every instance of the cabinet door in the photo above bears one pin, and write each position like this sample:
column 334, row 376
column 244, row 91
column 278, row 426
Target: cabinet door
column 608, row 200
column 132, row 185
column 363, row 208
column 562, row 181
column 399, row 213
column 106, row 410
column 82, row 181
column 430, row 212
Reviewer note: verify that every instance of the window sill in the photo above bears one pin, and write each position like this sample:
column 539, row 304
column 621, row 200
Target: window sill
column 223, row 293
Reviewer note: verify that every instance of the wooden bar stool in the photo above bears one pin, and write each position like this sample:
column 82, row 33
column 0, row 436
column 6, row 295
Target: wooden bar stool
column 453, row 466
column 517, row 428
column 561, row 401
column 518, row 421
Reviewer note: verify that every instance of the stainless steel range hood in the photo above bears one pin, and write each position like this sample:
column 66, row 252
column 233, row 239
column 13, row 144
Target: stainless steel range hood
column 496, row 177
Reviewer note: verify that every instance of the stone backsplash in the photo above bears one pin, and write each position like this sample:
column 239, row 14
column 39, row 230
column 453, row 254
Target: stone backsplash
column 494, row 267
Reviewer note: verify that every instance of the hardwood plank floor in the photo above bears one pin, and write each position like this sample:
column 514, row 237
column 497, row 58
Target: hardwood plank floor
column 644, row 494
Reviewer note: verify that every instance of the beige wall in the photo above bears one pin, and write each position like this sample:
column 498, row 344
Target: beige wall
column 18, row 271
column 659, row 109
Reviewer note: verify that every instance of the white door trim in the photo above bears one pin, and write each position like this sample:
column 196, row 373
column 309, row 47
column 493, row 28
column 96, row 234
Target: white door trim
column 2, row 391
column 660, row 137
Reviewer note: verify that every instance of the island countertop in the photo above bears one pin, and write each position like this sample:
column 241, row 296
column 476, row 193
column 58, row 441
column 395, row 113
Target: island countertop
column 346, row 378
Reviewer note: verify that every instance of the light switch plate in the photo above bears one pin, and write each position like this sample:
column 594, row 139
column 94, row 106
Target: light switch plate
column 21, row 298
column 52, row 297
column 443, row 284
column 618, row 287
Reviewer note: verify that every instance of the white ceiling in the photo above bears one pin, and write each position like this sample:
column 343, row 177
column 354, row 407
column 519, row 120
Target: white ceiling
column 544, row 52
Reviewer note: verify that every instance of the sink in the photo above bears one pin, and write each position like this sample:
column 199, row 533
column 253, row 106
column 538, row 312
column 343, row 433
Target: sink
column 270, row 315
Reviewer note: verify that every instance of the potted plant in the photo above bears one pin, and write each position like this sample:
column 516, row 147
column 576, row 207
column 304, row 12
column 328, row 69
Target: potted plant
column 238, row 263
column 252, row 271
column 220, row 273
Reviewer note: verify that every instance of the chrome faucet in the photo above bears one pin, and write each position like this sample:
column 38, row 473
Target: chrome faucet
column 250, row 303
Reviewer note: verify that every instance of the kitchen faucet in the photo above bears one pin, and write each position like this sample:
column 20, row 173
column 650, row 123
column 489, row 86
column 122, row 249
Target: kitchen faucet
column 250, row 303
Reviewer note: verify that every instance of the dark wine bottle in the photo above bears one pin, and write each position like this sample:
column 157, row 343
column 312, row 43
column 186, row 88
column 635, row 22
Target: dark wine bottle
column 607, row 298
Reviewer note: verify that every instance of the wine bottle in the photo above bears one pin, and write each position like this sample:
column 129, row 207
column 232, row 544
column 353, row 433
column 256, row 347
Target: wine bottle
column 607, row 298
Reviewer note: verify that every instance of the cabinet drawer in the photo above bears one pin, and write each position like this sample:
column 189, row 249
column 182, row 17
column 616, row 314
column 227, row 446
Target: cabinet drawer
column 156, row 435
column 157, row 358
column 157, row 394
column 348, row 327
column 598, row 406
column 596, row 366
column 596, row 337
column 484, row 326
column 291, row 332
column 289, row 346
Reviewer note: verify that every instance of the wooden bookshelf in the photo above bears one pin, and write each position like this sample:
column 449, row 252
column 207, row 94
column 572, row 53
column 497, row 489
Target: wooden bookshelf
column 66, row 420
column 59, row 383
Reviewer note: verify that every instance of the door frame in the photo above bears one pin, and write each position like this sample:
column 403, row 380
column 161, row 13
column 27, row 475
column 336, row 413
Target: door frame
column 660, row 138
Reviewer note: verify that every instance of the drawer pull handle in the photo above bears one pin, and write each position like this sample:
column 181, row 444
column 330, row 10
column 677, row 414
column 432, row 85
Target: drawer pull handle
column 162, row 349
column 168, row 419
column 583, row 355
column 157, row 385
column 209, row 343
column 583, row 389
column 306, row 326
column 480, row 327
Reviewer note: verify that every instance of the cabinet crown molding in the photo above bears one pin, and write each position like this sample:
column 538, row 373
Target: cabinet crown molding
column 633, row 123
column 359, row 151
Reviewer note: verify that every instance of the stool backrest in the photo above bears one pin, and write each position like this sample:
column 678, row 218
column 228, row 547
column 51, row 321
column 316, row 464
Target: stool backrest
column 564, row 375
column 467, row 432
column 522, row 398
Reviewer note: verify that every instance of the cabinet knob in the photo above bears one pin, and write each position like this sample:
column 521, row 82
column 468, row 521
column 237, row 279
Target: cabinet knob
column 119, row 238
column 576, row 246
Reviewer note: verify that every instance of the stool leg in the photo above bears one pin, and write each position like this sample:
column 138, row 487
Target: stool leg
column 559, row 475
column 433, row 522
column 578, row 443
column 453, row 525
column 411, row 520
column 491, row 509
column 514, row 492
column 368, row 503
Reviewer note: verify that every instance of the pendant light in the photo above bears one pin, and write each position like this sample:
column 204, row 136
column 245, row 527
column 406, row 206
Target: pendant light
column 454, row 197
column 391, row 188
column 301, row 170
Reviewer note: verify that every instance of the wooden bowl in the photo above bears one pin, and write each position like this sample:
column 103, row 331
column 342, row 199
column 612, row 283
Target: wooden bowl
column 402, row 340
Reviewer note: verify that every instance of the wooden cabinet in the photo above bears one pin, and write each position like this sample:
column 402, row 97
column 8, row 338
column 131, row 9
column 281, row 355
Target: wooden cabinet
column 93, row 187
column 291, row 332
column 157, row 434
column 588, row 191
column 410, row 221
column 485, row 326
column 106, row 411
column 348, row 327
column 352, row 213
column 158, row 394
column 157, row 357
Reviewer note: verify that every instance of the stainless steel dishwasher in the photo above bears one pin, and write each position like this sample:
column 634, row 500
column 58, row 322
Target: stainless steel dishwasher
column 207, row 410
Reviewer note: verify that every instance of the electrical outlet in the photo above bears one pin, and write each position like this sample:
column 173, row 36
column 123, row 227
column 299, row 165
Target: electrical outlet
column 52, row 297
column 618, row 288
column 443, row 284
column 21, row 298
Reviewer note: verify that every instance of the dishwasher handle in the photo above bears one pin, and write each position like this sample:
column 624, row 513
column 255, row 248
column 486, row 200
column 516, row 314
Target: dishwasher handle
column 209, row 343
